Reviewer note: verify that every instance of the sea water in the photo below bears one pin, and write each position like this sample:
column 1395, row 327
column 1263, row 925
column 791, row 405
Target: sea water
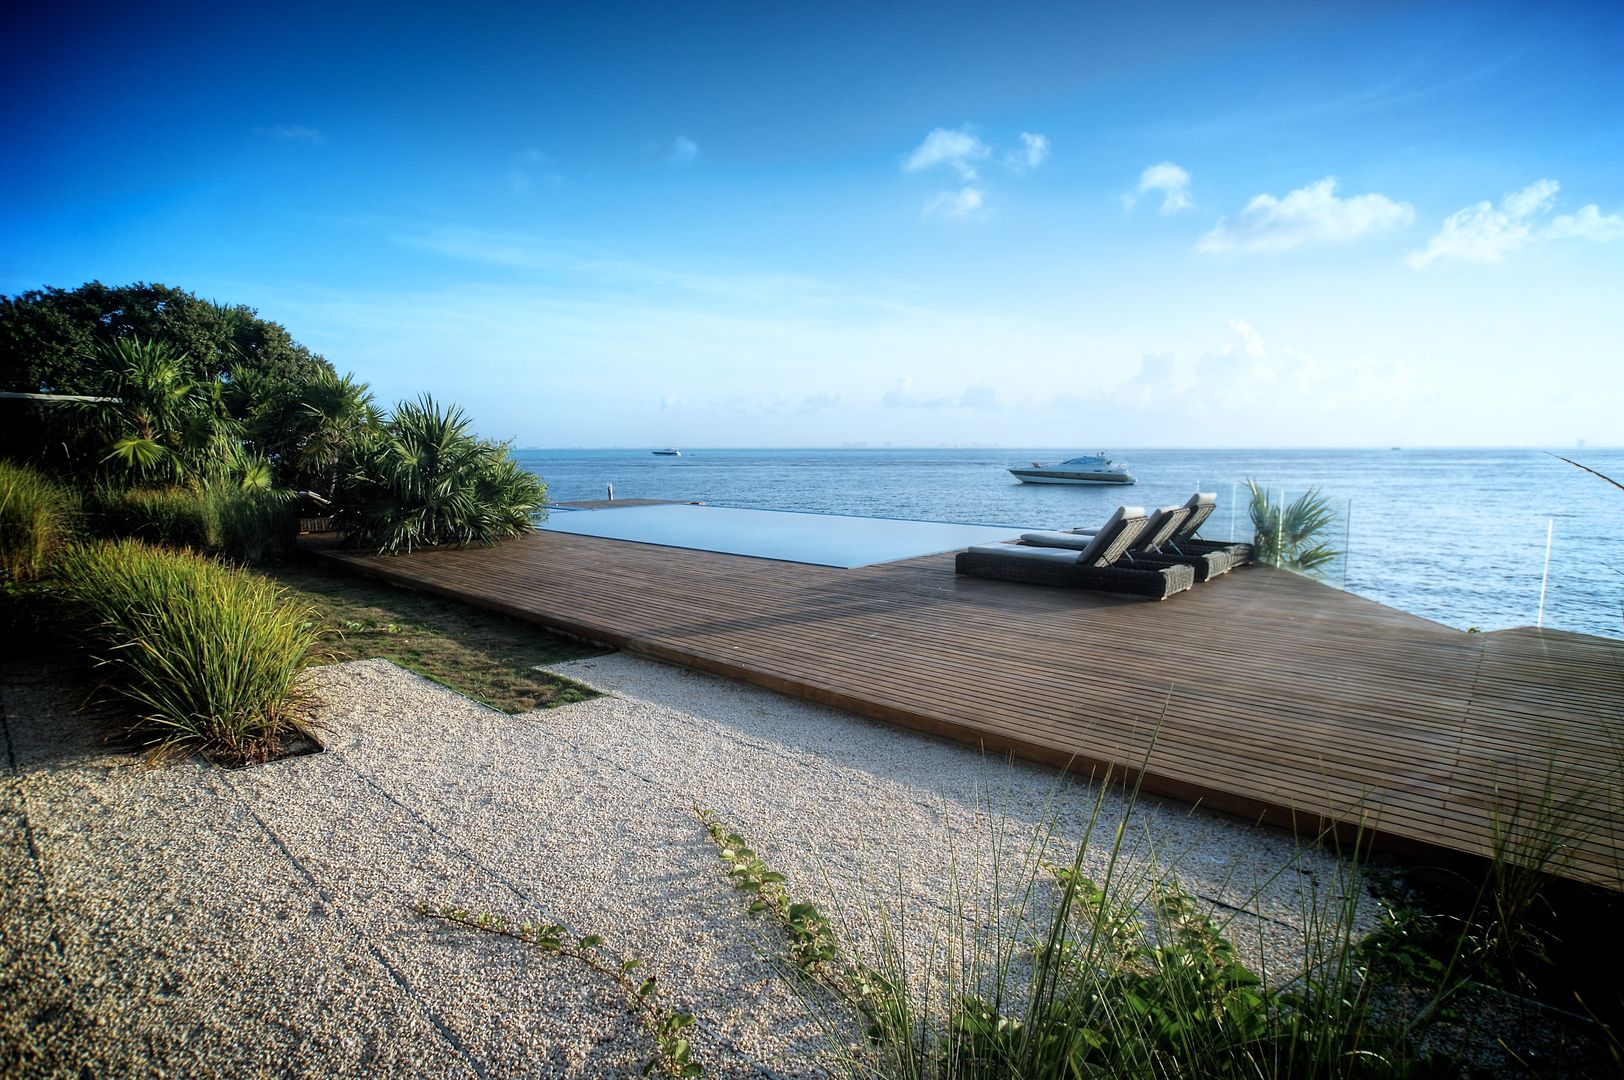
column 1457, row 536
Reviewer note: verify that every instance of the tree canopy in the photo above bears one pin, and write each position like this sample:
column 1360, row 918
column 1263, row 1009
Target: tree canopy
column 52, row 340
column 285, row 404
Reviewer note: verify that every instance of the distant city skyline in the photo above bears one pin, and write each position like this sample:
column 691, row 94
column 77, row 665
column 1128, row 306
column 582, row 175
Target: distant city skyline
column 1264, row 225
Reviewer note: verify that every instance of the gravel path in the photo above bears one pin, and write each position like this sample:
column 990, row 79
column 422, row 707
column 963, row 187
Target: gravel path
column 191, row 920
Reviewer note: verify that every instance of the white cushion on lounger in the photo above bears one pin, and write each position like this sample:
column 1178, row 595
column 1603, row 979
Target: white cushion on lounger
column 1108, row 532
column 1075, row 541
column 1016, row 551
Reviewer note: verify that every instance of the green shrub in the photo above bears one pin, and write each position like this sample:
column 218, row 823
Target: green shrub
column 248, row 524
column 244, row 524
column 173, row 516
column 36, row 518
column 425, row 480
column 209, row 652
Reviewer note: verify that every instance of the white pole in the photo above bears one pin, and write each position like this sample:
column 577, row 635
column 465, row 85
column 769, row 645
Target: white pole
column 1550, row 528
column 1233, row 488
column 1347, row 544
column 1279, row 527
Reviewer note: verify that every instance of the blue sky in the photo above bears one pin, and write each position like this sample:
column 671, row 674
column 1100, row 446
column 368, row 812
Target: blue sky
column 947, row 224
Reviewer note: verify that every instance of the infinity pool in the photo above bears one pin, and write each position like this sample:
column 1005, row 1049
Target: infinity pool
column 820, row 539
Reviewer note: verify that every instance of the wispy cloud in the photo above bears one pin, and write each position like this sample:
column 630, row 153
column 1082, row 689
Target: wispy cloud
column 1251, row 340
column 1167, row 178
column 955, row 204
column 821, row 402
column 293, row 133
column 904, row 396
column 963, row 151
column 958, row 149
column 1034, row 151
column 480, row 246
column 684, row 150
column 533, row 164
column 1484, row 233
column 1309, row 215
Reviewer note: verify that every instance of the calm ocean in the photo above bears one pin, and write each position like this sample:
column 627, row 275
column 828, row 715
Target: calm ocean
column 1458, row 536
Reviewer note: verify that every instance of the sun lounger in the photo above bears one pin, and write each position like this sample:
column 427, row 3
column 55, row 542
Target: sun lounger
column 1221, row 554
column 1208, row 558
column 1151, row 549
column 1100, row 562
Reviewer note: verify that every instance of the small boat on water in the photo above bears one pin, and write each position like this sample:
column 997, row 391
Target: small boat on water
column 1088, row 469
column 670, row 451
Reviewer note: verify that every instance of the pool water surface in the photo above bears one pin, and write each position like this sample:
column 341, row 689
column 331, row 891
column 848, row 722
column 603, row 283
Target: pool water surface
column 789, row 536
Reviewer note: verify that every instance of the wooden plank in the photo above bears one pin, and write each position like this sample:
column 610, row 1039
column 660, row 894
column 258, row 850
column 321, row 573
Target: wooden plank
column 1260, row 692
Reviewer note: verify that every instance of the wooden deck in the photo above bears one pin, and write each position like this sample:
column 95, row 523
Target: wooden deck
column 1261, row 693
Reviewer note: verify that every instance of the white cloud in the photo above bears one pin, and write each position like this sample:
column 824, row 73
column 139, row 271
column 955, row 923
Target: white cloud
column 1167, row 178
column 962, row 151
column 1588, row 224
column 958, row 150
column 1034, row 151
column 981, row 397
column 1483, row 233
column 684, row 150
column 673, row 403
column 955, row 204
column 294, row 133
column 1536, row 198
column 480, row 246
column 1251, row 340
column 821, row 401
column 1312, row 214
column 904, row 396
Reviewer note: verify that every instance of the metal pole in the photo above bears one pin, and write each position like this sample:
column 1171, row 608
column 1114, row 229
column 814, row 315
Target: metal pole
column 1550, row 528
column 1233, row 488
column 1347, row 544
column 1279, row 528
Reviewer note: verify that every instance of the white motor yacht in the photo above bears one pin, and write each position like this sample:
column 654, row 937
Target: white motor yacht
column 1088, row 469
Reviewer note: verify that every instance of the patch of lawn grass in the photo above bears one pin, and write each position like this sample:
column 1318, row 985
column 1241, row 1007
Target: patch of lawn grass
column 480, row 654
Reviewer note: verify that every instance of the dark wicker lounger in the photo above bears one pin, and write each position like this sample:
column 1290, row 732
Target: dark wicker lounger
column 1102, row 563
column 1156, row 582
column 1209, row 558
column 1185, row 542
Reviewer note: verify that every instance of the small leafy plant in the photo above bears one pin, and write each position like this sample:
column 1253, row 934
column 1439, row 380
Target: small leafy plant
column 1291, row 535
column 668, row 1027
column 813, row 949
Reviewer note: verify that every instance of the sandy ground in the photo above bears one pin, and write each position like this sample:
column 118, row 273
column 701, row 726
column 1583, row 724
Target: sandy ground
column 190, row 920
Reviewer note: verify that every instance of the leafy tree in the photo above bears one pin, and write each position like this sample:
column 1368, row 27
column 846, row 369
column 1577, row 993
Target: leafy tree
column 50, row 338
column 425, row 479
column 291, row 409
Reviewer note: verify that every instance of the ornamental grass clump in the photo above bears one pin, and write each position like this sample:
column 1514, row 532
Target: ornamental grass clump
column 209, row 653
column 36, row 519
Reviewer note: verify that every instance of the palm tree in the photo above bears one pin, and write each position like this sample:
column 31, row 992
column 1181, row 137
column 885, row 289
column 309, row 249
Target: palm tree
column 340, row 413
column 1289, row 535
column 163, row 424
column 424, row 478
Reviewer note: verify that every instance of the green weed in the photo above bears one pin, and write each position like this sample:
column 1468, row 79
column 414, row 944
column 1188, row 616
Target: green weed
column 668, row 1027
